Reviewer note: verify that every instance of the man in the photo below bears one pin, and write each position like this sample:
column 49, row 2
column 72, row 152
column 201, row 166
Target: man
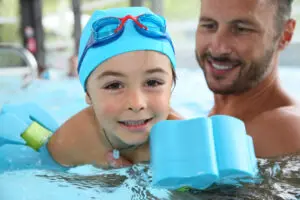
column 237, row 46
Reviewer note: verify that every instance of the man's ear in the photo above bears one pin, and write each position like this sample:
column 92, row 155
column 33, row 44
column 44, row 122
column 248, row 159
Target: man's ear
column 88, row 99
column 287, row 35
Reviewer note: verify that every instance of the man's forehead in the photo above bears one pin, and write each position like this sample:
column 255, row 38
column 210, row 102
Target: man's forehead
column 236, row 5
column 232, row 9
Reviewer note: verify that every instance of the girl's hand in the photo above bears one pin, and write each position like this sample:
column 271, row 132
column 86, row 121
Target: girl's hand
column 117, row 163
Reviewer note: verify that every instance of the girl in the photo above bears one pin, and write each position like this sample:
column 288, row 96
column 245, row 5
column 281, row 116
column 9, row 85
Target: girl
column 126, row 67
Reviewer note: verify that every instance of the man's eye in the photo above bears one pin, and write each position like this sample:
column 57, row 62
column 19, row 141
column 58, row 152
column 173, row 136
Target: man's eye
column 153, row 83
column 114, row 86
column 241, row 30
column 210, row 26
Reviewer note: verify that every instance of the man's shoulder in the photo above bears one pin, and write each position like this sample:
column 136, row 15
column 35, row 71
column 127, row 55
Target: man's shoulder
column 279, row 129
column 286, row 114
column 285, row 119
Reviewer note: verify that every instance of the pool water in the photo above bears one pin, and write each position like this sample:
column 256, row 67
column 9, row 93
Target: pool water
column 280, row 178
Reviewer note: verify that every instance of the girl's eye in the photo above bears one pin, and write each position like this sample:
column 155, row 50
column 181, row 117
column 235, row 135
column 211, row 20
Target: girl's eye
column 153, row 83
column 114, row 86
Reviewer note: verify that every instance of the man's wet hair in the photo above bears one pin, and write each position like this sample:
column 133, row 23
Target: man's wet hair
column 284, row 11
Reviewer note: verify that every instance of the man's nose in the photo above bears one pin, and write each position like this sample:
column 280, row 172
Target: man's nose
column 136, row 101
column 221, row 43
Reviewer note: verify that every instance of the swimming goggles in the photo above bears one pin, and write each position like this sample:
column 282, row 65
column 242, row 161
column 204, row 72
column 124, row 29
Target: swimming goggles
column 109, row 29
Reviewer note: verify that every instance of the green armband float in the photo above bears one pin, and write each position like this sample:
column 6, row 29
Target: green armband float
column 184, row 189
column 36, row 136
column 23, row 145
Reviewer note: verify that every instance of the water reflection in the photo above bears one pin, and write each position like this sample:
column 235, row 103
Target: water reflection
column 280, row 180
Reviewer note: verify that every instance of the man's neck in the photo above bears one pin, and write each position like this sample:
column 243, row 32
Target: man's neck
column 249, row 104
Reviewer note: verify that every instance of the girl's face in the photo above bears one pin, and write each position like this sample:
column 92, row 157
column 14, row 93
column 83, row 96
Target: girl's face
column 129, row 94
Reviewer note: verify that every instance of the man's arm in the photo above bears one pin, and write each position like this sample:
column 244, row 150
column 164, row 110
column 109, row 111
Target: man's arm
column 276, row 132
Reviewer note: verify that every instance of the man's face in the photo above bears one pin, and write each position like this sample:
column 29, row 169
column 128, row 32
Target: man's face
column 235, row 43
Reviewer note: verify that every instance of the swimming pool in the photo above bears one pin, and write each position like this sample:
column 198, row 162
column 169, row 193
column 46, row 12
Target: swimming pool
column 64, row 97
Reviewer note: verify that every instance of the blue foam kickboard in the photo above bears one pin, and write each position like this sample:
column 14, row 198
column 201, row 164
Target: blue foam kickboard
column 10, row 129
column 14, row 153
column 199, row 152
column 29, row 112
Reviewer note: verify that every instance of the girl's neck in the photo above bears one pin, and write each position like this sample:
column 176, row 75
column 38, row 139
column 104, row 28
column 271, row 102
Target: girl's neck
column 134, row 153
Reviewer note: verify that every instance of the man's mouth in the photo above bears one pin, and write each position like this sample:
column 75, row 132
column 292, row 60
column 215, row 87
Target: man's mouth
column 222, row 65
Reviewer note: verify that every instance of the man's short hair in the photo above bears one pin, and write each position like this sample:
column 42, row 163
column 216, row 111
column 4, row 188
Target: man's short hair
column 283, row 13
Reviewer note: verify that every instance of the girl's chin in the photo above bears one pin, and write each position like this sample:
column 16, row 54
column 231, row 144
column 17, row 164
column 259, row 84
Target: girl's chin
column 135, row 141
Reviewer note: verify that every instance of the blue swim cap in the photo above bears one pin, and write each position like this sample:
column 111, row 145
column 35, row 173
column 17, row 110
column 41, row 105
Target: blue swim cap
column 130, row 40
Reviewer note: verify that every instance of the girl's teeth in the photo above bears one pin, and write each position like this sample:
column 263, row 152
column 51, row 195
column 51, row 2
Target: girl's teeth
column 134, row 123
column 221, row 67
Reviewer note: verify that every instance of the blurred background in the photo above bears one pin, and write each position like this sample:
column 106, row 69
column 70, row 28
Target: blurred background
column 47, row 28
